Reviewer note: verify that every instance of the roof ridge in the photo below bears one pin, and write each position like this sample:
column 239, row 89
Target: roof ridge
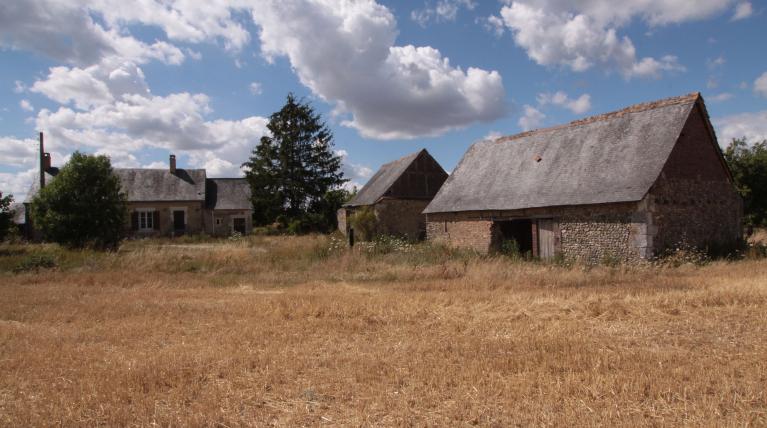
column 635, row 108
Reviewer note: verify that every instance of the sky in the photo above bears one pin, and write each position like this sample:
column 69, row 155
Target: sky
column 138, row 80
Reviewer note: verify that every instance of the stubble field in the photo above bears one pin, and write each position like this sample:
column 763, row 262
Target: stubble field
column 298, row 331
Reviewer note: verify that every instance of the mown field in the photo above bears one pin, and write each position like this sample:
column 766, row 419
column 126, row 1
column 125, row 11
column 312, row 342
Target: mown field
column 300, row 331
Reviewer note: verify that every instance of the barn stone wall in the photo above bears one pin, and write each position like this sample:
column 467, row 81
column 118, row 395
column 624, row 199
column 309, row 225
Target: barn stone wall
column 589, row 233
column 401, row 217
column 693, row 202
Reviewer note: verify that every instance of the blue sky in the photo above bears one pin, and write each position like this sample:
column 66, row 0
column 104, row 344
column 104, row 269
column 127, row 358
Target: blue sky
column 137, row 81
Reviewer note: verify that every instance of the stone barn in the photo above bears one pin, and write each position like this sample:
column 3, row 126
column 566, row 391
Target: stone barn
column 398, row 194
column 623, row 185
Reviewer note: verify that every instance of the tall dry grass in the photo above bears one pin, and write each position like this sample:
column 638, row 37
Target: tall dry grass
column 292, row 331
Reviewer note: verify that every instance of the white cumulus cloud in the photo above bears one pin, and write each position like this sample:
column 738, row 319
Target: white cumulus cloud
column 390, row 91
column 752, row 126
column 579, row 105
column 760, row 85
column 531, row 119
column 553, row 35
column 742, row 10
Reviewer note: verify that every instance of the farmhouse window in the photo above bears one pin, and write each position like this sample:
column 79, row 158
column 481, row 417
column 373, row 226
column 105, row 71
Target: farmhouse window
column 147, row 219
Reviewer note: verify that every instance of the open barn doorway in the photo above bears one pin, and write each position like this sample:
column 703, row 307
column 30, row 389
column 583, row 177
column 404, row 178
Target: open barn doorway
column 516, row 236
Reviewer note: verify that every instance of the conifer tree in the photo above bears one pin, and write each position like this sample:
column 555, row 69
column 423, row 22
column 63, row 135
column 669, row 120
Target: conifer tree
column 294, row 169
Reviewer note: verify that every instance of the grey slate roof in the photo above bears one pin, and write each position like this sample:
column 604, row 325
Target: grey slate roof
column 160, row 185
column 382, row 180
column 228, row 194
column 615, row 157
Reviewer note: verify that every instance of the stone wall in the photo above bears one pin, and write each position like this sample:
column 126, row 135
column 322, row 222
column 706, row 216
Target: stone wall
column 401, row 217
column 342, row 215
column 194, row 217
column 590, row 233
column 221, row 222
column 693, row 202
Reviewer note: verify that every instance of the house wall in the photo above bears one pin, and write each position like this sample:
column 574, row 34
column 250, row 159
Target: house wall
column 694, row 201
column 342, row 215
column 194, row 217
column 589, row 233
column 225, row 225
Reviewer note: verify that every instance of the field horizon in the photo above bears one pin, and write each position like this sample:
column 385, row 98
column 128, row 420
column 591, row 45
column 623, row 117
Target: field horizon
column 292, row 331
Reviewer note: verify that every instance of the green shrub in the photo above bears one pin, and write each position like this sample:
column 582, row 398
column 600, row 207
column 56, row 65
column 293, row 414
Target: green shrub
column 365, row 223
column 35, row 262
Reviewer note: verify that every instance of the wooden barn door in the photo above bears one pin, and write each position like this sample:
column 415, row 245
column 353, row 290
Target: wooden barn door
column 546, row 238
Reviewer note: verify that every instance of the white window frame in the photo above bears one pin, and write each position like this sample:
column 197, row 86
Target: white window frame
column 148, row 219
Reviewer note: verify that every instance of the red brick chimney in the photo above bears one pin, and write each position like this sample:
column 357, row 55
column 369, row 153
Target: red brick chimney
column 172, row 164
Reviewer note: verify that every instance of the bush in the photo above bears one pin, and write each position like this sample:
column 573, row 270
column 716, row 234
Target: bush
column 6, row 216
column 35, row 262
column 82, row 206
column 365, row 223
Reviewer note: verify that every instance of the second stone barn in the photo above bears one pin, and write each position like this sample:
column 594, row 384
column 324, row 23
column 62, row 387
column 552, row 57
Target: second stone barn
column 397, row 194
column 623, row 185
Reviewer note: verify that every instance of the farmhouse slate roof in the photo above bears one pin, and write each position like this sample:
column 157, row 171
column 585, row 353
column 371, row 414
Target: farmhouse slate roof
column 141, row 184
column 383, row 179
column 614, row 157
column 228, row 194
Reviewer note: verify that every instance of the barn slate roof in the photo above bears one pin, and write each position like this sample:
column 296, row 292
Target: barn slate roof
column 382, row 180
column 140, row 184
column 228, row 194
column 614, row 157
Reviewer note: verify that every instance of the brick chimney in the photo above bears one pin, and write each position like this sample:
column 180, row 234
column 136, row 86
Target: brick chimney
column 172, row 164
column 42, row 162
column 46, row 161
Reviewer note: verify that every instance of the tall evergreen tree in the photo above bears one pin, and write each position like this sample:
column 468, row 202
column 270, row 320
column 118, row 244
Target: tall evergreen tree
column 292, row 171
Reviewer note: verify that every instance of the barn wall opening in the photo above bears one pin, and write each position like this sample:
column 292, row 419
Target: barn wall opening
column 518, row 231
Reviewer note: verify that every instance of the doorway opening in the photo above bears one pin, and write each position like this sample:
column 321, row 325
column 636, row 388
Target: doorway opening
column 238, row 225
column 179, row 221
column 516, row 236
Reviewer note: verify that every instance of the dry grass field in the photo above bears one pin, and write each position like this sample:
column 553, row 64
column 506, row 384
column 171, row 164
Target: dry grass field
column 284, row 331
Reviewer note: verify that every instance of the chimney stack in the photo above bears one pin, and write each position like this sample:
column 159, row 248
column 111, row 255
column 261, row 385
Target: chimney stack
column 42, row 162
column 172, row 164
column 47, row 161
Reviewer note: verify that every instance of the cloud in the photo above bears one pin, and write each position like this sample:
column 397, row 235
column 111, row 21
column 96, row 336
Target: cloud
column 552, row 35
column 724, row 96
column 752, row 126
column 357, row 174
column 391, row 92
column 531, row 119
column 493, row 135
column 26, row 105
column 19, row 87
column 742, row 10
column 93, row 86
column 256, row 88
column 65, row 31
column 760, row 85
column 443, row 11
column 578, row 106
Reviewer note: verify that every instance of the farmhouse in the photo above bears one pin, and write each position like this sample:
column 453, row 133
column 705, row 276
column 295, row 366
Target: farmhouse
column 626, row 185
column 397, row 194
column 171, row 201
